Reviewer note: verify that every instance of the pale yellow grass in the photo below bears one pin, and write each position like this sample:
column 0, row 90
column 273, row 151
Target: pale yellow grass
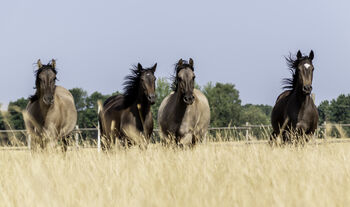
column 220, row 174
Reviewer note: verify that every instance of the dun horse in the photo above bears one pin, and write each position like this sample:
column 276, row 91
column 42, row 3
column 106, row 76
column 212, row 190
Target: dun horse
column 51, row 112
column 295, row 111
column 128, row 116
column 184, row 114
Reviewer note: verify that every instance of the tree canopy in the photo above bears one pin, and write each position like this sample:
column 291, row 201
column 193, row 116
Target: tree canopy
column 225, row 105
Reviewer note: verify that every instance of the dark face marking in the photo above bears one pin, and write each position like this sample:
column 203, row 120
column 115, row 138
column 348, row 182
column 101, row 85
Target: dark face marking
column 185, row 79
column 148, row 84
column 47, row 85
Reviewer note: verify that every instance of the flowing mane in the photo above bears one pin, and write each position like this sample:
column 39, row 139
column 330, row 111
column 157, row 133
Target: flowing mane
column 177, row 69
column 291, row 83
column 131, row 91
column 35, row 97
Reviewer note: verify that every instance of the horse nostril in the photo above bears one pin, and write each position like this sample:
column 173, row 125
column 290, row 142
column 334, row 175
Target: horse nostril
column 151, row 98
column 307, row 88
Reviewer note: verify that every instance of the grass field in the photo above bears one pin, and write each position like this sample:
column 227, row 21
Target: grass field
column 220, row 174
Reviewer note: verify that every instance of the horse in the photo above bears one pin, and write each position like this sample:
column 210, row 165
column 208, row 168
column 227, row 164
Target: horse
column 184, row 115
column 295, row 112
column 50, row 113
column 128, row 116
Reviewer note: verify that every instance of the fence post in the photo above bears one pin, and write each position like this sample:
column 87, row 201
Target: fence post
column 98, row 132
column 247, row 131
column 77, row 136
column 325, row 129
column 29, row 139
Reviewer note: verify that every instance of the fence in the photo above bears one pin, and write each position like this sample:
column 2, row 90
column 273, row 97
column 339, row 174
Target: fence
column 91, row 136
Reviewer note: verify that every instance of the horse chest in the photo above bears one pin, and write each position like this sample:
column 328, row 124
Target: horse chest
column 185, row 123
column 302, row 117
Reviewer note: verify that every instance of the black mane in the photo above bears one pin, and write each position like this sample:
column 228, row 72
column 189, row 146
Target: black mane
column 35, row 97
column 177, row 69
column 131, row 91
column 291, row 83
column 131, row 86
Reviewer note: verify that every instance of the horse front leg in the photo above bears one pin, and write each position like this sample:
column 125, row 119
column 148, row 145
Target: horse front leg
column 65, row 143
column 301, row 129
column 187, row 140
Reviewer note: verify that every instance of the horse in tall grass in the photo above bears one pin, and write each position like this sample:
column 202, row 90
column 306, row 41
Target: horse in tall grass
column 295, row 114
column 184, row 114
column 128, row 117
column 51, row 112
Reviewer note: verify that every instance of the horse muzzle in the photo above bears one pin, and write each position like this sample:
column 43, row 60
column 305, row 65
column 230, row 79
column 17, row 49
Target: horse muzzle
column 307, row 89
column 48, row 100
column 152, row 99
column 188, row 99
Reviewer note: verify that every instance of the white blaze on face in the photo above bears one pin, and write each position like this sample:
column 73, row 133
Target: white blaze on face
column 307, row 65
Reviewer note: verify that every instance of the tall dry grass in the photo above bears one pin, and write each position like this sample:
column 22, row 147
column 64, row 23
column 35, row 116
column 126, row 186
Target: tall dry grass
column 211, row 174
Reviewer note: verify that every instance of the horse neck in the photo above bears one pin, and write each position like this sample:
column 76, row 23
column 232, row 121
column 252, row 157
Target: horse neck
column 181, row 106
column 44, row 108
column 145, row 105
column 301, row 98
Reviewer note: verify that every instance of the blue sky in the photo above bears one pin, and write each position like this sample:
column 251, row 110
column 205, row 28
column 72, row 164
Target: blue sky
column 239, row 42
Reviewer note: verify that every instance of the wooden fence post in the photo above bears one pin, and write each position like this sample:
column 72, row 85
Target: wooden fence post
column 247, row 131
column 98, row 132
column 325, row 129
column 77, row 136
column 29, row 139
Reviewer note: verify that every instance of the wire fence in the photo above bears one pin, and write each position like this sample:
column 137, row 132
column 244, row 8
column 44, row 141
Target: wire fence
column 85, row 137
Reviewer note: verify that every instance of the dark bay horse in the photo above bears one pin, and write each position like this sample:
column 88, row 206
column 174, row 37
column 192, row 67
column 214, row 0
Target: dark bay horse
column 51, row 112
column 128, row 116
column 185, row 113
column 295, row 112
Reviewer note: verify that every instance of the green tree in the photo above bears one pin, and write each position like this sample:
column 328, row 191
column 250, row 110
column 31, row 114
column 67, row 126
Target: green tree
column 89, row 116
column 79, row 96
column 2, row 121
column 15, row 113
column 254, row 114
column 324, row 111
column 339, row 110
column 162, row 90
column 91, row 101
column 225, row 104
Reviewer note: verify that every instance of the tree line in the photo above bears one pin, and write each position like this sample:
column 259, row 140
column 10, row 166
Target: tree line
column 225, row 105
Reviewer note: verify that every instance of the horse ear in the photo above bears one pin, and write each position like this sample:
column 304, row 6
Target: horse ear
column 299, row 55
column 53, row 63
column 154, row 68
column 39, row 63
column 191, row 62
column 139, row 67
column 180, row 62
column 311, row 55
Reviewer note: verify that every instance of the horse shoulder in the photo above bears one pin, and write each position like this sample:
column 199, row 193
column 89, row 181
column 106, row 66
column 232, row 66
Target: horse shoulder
column 202, row 100
column 283, row 96
column 65, row 109
column 203, row 118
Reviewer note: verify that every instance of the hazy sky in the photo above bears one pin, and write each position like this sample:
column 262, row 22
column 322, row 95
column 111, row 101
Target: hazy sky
column 239, row 42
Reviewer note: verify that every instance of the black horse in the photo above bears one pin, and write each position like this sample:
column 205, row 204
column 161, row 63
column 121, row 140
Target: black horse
column 295, row 112
column 128, row 117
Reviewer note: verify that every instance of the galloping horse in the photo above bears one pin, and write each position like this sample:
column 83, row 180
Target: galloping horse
column 128, row 116
column 185, row 113
column 50, row 113
column 295, row 111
